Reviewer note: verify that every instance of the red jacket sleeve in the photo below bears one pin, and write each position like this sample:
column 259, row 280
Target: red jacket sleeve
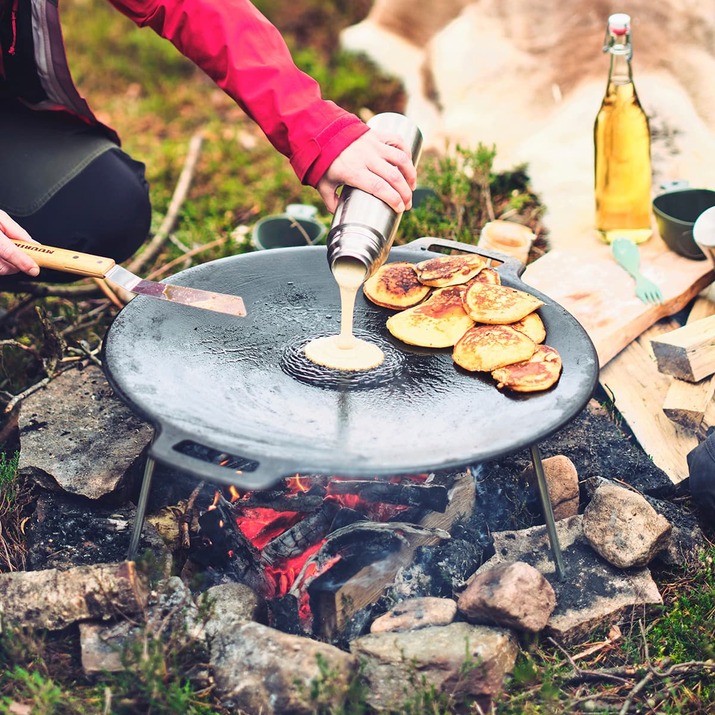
column 247, row 57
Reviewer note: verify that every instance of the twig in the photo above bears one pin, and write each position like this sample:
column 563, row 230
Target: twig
column 85, row 289
column 26, row 393
column 91, row 354
column 154, row 246
column 104, row 287
column 584, row 674
column 18, row 344
column 154, row 275
column 638, row 687
column 187, row 517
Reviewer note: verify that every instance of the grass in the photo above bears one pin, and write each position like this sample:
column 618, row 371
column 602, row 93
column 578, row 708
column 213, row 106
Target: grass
column 157, row 101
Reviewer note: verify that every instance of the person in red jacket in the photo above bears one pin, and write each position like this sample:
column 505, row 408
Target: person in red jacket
column 64, row 179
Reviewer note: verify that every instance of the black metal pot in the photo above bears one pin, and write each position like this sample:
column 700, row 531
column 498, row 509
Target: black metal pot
column 241, row 386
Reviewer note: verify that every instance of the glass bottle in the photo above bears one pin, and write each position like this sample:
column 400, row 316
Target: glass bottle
column 622, row 145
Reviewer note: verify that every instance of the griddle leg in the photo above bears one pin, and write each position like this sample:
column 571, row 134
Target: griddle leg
column 548, row 511
column 141, row 508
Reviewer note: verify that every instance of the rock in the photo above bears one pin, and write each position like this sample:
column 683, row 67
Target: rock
column 77, row 436
column 686, row 540
column 513, row 595
column 463, row 661
column 258, row 669
column 416, row 613
column 623, row 527
column 231, row 604
column 171, row 615
column 593, row 592
column 562, row 481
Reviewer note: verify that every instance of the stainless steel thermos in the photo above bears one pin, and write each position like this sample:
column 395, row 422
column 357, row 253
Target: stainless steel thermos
column 364, row 226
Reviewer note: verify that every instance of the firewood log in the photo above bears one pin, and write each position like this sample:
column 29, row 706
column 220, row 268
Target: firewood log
column 687, row 353
column 686, row 403
column 52, row 599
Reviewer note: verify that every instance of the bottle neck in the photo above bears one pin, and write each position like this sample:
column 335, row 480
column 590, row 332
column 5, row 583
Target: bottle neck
column 620, row 71
column 617, row 43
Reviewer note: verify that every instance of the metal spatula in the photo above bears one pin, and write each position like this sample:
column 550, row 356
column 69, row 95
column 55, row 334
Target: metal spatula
column 87, row 264
column 628, row 257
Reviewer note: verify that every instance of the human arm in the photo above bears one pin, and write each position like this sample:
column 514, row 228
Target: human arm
column 12, row 259
column 247, row 57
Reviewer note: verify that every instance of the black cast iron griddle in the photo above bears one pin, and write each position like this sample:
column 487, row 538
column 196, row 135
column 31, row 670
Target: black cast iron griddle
column 243, row 387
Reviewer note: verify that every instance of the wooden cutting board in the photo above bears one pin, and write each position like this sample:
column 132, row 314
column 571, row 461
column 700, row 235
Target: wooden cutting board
column 586, row 280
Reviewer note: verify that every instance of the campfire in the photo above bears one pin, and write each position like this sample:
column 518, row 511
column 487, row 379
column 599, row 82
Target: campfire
column 321, row 549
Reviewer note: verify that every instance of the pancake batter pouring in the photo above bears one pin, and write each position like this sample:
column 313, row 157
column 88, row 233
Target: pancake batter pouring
column 344, row 351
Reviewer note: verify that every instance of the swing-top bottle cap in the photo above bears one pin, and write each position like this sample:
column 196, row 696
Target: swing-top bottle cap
column 619, row 23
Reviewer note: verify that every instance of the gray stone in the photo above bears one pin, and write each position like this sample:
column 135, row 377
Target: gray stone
column 416, row 613
column 78, row 436
column 258, row 669
column 513, row 595
column 231, row 604
column 171, row 614
column 623, row 527
column 593, row 592
column 686, row 541
column 463, row 661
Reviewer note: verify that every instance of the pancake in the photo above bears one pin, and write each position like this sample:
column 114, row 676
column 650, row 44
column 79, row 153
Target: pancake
column 539, row 372
column 437, row 323
column 484, row 348
column 486, row 275
column 449, row 270
column 531, row 325
column 498, row 304
column 396, row 286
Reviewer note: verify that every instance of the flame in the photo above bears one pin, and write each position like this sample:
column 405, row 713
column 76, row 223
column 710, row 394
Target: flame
column 296, row 484
column 261, row 525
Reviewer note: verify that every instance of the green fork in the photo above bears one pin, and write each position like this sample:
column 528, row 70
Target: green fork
column 628, row 257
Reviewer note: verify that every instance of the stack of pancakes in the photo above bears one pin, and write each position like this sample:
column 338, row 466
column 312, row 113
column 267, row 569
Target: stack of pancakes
column 459, row 302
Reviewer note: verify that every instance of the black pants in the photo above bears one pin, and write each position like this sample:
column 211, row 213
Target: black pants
column 69, row 186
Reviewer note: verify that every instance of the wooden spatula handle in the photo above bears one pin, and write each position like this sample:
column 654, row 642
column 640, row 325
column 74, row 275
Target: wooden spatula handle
column 84, row 264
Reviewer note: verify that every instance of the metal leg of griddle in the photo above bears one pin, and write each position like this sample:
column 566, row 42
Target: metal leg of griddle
column 548, row 511
column 141, row 509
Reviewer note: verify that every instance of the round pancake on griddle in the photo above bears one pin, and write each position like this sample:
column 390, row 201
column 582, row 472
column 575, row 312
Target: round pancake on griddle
column 498, row 304
column 396, row 286
column 486, row 275
column 531, row 325
column 437, row 323
column 484, row 348
column 449, row 270
column 539, row 372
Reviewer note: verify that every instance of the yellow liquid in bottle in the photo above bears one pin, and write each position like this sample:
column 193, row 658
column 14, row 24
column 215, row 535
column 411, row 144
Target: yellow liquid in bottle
column 623, row 168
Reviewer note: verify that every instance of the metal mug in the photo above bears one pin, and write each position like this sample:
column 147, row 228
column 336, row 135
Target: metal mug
column 364, row 226
column 676, row 210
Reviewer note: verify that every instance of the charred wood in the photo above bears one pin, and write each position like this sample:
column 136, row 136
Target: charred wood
column 307, row 532
column 221, row 544
column 431, row 496
column 303, row 502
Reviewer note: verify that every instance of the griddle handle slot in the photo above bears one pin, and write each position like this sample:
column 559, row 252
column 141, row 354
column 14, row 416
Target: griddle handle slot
column 267, row 473
column 509, row 264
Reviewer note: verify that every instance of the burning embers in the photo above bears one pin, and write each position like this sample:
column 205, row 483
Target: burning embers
column 319, row 549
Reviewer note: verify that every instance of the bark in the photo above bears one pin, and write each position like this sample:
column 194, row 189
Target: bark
column 53, row 600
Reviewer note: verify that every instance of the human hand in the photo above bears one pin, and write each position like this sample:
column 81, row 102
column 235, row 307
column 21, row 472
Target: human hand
column 376, row 162
column 12, row 259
